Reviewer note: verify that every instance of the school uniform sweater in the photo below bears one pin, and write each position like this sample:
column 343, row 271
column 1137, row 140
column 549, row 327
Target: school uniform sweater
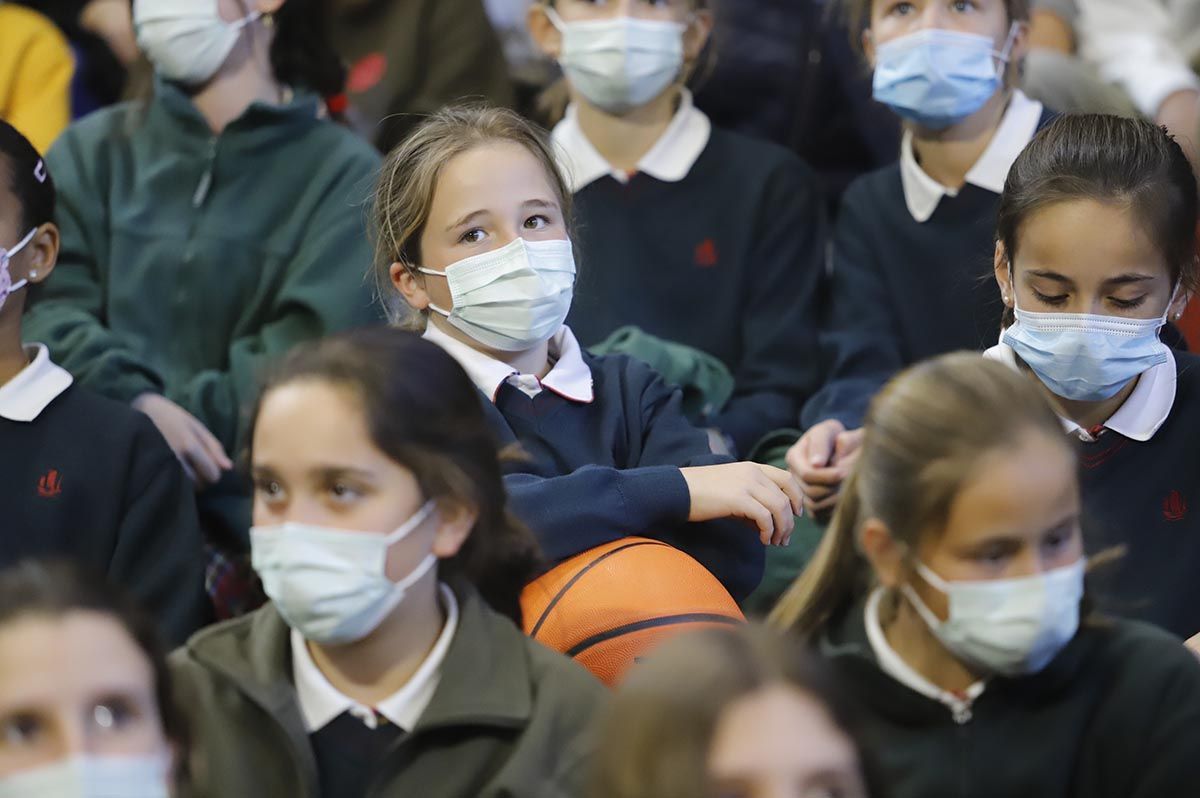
column 608, row 469
column 1144, row 496
column 191, row 260
column 89, row 479
column 727, row 258
column 605, row 439
column 905, row 288
column 1115, row 715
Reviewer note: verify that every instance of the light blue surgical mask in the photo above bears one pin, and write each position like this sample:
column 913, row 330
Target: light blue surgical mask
column 1086, row 357
column 938, row 77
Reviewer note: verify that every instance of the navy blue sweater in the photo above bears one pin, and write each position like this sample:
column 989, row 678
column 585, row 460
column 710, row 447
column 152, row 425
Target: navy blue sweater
column 1145, row 497
column 728, row 260
column 92, row 480
column 902, row 290
column 602, row 471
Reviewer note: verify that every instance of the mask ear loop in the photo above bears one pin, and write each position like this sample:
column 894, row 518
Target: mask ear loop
column 1004, row 55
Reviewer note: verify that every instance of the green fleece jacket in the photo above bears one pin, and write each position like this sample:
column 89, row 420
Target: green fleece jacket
column 508, row 719
column 191, row 259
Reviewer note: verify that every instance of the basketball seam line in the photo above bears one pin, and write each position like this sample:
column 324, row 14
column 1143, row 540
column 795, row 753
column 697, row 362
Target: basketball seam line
column 571, row 583
column 637, row 626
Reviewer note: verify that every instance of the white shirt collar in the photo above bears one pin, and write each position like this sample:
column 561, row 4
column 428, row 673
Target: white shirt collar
column 1017, row 128
column 25, row 396
column 669, row 160
column 893, row 665
column 321, row 702
column 569, row 377
column 1142, row 414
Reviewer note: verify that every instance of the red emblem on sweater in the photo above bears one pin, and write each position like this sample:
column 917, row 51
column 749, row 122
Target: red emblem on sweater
column 706, row 254
column 1174, row 507
column 366, row 73
column 50, row 485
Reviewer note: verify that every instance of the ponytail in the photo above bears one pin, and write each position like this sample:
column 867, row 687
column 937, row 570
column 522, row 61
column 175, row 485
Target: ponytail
column 924, row 434
column 834, row 576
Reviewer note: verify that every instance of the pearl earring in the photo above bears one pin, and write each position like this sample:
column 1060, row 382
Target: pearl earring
column 33, row 275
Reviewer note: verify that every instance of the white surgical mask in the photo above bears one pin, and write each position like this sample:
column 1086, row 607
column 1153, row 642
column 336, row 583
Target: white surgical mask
column 1006, row 626
column 93, row 777
column 622, row 63
column 186, row 40
column 513, row 298
column 331, row 585
column 7, row 286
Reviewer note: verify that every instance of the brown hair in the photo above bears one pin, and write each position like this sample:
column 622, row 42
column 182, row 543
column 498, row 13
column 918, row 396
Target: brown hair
column 52, row 589
column 924, row 435
column 1111, row 159
column 410, row 175
column 856, row 15
column 424, row 413
column 656, row 733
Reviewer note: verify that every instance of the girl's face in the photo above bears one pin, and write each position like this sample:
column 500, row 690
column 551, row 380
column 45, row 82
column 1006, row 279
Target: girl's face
column 1084, row 256
column 74, row 685
column 485, row 199
column 314, row 462
column 699, row 22
column 893, row 19
column 1017, row 515
column 779, row 742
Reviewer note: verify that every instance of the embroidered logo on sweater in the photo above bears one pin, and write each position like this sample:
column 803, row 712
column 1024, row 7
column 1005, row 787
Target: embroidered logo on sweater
column 50, row 485
column 1174, row 507
column 366, row 73
column 706, row 254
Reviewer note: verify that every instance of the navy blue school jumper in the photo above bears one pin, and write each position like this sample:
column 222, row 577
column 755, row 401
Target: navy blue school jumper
column 604, row 439
column 1115, row 715
column 718, row 242
column 905, row 289
column 1145, row 498
column 88, row 479
column 606, row 470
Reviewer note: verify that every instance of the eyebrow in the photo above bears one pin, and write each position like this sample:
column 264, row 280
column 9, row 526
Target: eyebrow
column 470, row 217
column 540, row 203
column 1128, row 278
column 326, row 471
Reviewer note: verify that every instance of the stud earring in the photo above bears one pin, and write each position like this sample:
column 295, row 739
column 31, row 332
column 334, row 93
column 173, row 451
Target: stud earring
column 33, row 275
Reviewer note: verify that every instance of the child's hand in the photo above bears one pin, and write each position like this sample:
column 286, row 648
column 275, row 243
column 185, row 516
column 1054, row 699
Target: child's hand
column 821, row 460
column 201, row 454
column 764, row 495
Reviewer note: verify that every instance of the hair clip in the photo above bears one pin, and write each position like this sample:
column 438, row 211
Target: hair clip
column 39, row 171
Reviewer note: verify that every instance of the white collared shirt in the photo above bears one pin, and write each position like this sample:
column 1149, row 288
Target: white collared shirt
column 321, row 702
column 922, row 193
column 25, row 396
column 569, row 377
column 1142, row 414
column 669, row 160
column 893, row 665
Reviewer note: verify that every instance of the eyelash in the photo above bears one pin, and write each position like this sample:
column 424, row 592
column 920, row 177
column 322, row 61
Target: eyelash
column 1057, row 301
column 465, row 238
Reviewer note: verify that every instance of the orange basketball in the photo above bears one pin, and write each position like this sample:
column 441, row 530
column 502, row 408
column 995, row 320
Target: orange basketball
column 607, row 606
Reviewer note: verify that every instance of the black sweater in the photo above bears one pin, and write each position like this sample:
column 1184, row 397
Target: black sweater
column 1115, row 715
column 902, row 291
column 728, row 261
column 93, row 480
column 602, row 471
column 1145, row 497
